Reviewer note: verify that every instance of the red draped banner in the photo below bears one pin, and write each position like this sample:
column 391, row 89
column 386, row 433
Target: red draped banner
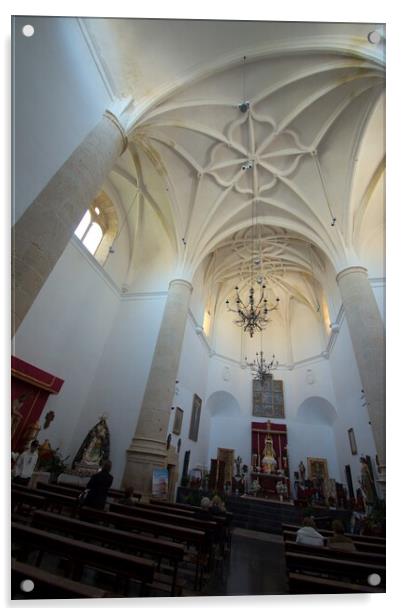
column 30, row 389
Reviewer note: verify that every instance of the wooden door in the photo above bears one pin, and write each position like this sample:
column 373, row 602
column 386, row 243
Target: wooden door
column 227, row 456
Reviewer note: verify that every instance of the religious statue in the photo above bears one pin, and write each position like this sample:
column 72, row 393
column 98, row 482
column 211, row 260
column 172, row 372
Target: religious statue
column 255, row 487
column 16, row 416
column 48, row 419
column 238, row 462
column 268, row 459
column 302, row 472
column 281, row 489
column 367, row 484
column 95, row 448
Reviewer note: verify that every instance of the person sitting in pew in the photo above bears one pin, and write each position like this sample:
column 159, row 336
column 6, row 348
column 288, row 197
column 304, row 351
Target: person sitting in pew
column 338, row 541
column 217, row 505
column 98, row 486
column 128, row 498
column 308, row 535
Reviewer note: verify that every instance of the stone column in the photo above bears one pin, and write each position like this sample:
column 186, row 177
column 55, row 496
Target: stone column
column 368, row 339
column 42, row 233
column 147, row 450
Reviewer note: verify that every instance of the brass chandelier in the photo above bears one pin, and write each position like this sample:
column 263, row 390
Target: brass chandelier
column 253, row 314
column 262, row 369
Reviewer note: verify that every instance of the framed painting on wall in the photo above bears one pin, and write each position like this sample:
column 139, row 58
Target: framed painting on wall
column 178, row 420
column 352, row 441
column 317, row 468
column 195, row 418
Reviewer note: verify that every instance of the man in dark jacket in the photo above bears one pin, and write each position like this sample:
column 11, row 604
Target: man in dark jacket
column 98, row 487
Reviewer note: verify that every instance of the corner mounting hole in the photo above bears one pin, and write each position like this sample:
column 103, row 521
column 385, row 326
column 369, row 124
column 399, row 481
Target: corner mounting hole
column 374, row 579
column 27, row 585
column 28, row 30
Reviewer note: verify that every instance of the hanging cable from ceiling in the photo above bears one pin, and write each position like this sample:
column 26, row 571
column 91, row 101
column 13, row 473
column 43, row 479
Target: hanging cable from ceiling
column 314, row 280
column 112, row 248
column 320, row 174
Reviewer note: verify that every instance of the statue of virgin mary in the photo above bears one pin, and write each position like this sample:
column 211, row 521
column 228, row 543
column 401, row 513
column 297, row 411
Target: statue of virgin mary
column 95, row 448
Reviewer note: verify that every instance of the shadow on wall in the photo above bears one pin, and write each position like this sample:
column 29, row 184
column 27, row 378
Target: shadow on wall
column 223, row 404
column 229, row 427
column 312, row 435
column 316, row 410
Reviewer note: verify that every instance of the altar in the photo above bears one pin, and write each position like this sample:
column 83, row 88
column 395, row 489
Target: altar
column 269, row 460
column 268, row 482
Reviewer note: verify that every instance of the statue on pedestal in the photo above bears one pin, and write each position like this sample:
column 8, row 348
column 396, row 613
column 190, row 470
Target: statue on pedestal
column 94, row 449
column 302, row 472
column 367, row 484
column 269, row 457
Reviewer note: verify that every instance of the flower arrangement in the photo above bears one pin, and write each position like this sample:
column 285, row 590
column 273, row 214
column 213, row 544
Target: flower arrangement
column 50, row 460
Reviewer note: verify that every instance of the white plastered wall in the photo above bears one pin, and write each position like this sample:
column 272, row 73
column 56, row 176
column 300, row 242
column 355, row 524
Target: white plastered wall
column 59, row 96
column 64, row 333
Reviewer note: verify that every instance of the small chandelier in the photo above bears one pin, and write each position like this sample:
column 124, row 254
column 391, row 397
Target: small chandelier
column 253, row 315
column 260, row 368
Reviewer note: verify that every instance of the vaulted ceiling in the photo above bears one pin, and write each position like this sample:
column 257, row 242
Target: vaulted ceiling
column 294, row 176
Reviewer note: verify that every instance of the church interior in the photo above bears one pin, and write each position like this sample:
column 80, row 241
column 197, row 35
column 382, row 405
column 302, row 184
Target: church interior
column 198, row 290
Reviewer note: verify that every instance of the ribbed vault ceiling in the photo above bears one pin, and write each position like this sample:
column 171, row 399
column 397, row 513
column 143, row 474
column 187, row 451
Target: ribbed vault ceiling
column 290, row 163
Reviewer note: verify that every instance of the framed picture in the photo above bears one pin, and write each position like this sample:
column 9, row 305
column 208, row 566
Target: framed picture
column 352, row 441
column 160, row 480
column 178, row 420
column 317, row 468
column 195, row 418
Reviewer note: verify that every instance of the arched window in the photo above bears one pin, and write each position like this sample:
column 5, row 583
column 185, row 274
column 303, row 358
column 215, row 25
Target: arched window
column 98, row 227
column 93, row 237
column 90, row 232
column 83, row 226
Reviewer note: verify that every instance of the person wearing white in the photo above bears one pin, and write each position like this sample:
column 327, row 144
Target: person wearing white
column 25, row 464
column 308, row 535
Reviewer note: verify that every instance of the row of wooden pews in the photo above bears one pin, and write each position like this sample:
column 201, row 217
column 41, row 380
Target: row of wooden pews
column 321, row 569
column 168, row 541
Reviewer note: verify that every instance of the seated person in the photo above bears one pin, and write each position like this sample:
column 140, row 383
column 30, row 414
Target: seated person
column 217, row 505
column 128, row 498
column 338, row 541
column 308, row 535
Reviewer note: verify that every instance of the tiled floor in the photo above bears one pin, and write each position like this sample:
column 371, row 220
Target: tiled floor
column 256, row 567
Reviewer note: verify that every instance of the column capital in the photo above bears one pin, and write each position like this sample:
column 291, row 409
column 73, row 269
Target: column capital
column 181, row 282
column 353, row 269
column 115, row 120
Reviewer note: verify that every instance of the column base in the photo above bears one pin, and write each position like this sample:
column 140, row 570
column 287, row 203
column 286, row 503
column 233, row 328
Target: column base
column 143, row 456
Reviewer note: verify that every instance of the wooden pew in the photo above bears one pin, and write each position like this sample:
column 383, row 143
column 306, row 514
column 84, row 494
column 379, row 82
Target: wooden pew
column 112, row 492
column 52, row 500
column 49, row 586
column 329, row 533
column 84, row 554
column 361, row 546
column 209, row 527
column 55, row 488
column 74, row 491
column 159, row 548
column 302, row 584
column 335, row 566
column 24, row 503
column 189, row 536
column 223, row 528
column 228, row 515
column 366, row 557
